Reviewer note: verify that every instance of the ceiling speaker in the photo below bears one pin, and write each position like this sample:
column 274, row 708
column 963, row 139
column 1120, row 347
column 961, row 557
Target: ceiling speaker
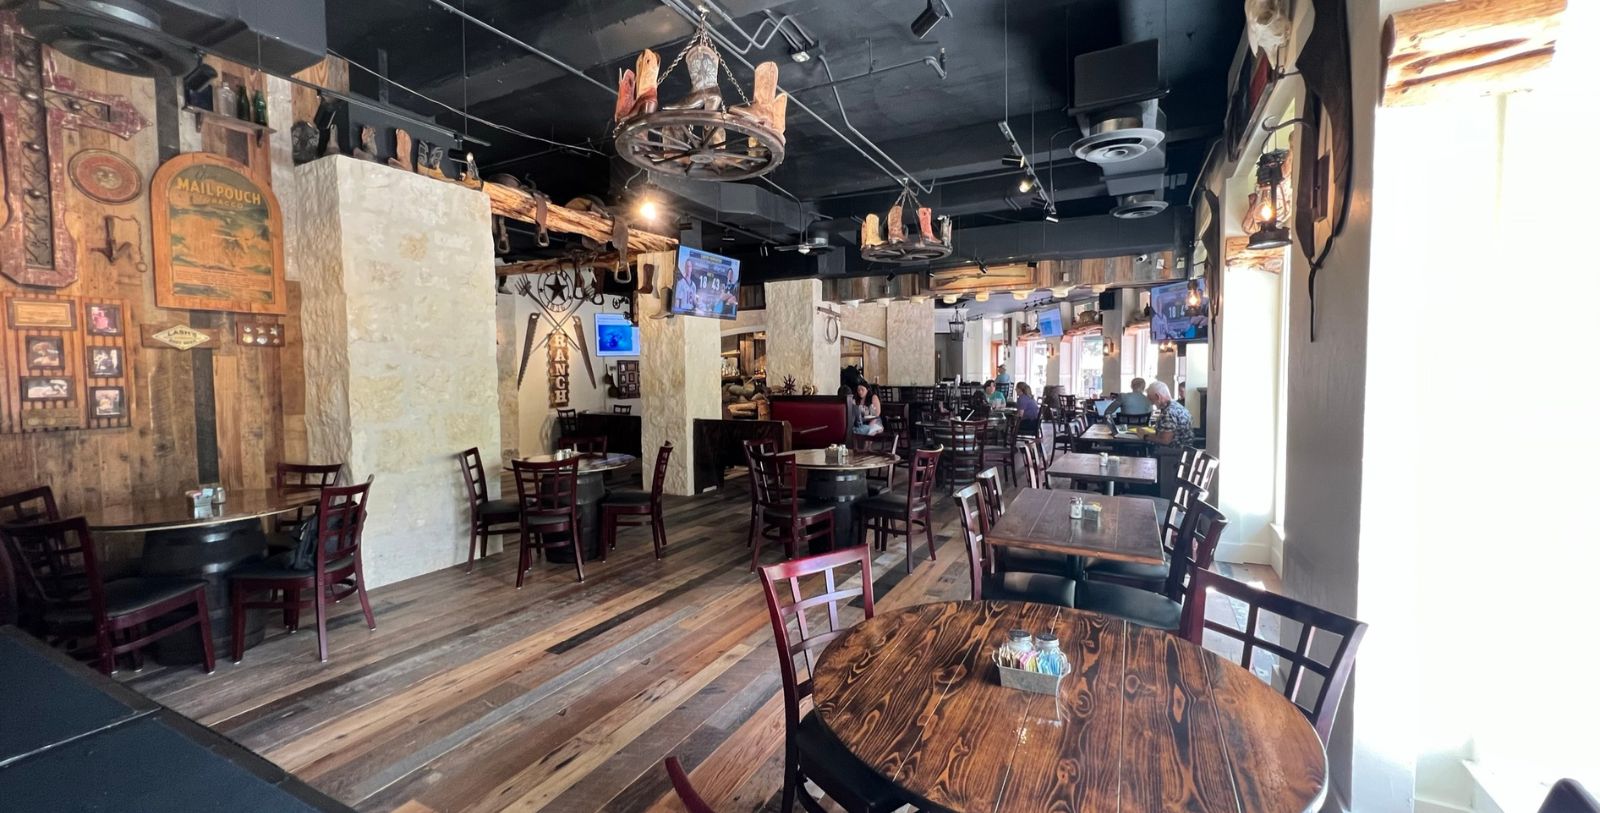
column 120, row 36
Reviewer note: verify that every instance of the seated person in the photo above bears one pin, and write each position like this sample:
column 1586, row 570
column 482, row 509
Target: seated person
column 1027, row 410
column 866, row 410
column 992, row 394
column 1132, row 402
column 1174, row 427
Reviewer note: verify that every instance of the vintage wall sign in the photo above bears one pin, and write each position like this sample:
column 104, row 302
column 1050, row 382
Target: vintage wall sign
column 218, row 237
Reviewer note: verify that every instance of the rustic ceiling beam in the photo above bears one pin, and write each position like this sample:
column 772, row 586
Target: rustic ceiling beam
column 604, row 259
column 1467, row 48
column 519, row 205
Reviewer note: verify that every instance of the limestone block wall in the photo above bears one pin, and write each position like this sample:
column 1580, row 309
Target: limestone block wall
column 680, row 370
column 797, row 344
column 400, row 341
column 506, row 356
column 910, row 345
column 866, row 319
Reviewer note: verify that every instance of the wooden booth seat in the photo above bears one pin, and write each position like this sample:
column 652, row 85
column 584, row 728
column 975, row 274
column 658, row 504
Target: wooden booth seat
column 816, row 421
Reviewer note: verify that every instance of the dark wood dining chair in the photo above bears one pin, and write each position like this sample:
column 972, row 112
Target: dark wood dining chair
column 335, row 573
column 994, row 494
column 567, row 422
column 692, row 803
column 1033, row 461
column 1318, row 698
column 994, row 585
column 1567, row 796
column 488, row 516
column 964, row 457
column 298, row 477
column 586, row 445
column 878, row 480
column 1196, row 549
column 547, row 500
column 1143, row 576
column 811, row 752
column 891, row 514
column 630, row 508
column 1067, row 440
column 622, row 409
column 64, row 599
column 784, row 515
column 897, row 422
column 752, row 448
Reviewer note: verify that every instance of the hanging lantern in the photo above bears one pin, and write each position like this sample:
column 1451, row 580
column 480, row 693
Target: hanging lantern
column 700, row 137
column 898, row 242
column 1266, row 220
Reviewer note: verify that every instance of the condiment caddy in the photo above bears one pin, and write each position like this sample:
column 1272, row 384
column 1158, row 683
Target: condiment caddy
column 1032, row 663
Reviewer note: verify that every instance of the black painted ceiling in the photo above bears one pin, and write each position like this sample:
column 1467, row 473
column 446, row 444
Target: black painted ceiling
column 943, row 131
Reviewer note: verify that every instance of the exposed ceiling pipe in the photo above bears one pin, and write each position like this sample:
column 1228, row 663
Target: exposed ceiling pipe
column 904, row 178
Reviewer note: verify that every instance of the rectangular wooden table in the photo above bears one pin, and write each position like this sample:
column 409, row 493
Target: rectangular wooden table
column 1103, row 434
column 1118, row 469
column 1127, row 528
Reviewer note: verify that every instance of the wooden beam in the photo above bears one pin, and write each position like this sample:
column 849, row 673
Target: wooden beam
column 519, row 205
column 1467, row 48
column 604, row 259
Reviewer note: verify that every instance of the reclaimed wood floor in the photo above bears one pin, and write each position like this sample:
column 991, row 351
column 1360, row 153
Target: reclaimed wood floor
column 474, row 696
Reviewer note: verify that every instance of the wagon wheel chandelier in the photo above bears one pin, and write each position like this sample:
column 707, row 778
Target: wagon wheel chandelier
column 700, row 137
column 901, row 245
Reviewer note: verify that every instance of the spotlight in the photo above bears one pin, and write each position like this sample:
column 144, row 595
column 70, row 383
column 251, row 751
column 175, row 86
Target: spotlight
column 1014, row 160
column 1025, row 185
column 800, row 55
column 937, row 10
column 1050, row 214
column 983, row 267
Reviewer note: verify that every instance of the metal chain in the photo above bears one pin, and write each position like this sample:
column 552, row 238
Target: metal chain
column 700, row 33
column 732, row 79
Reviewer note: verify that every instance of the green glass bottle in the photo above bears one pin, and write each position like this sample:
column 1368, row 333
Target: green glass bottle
column 261, row 109
column 242, row 113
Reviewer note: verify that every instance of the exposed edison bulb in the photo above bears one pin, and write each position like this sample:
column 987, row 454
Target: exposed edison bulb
column 647, row 209
column 1194, row 295
column 1025, row 185
column 1266, row 212
column 981, row 296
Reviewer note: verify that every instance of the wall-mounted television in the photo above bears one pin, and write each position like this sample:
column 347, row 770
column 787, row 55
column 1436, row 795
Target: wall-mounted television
column 705, row 284
column 1050, row 321
column 614, row 335
column 1171, row 318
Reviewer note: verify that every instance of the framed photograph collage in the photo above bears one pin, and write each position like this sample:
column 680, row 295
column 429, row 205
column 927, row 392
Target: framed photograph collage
column 65, row 362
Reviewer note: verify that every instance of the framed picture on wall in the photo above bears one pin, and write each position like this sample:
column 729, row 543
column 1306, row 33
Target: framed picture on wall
column 46, row 388
column 105, row 320
column 107, row 402
column 45, row 352
column 105, row 362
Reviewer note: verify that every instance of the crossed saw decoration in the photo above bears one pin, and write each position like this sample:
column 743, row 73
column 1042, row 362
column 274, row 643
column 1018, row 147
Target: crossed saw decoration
column 557, row 296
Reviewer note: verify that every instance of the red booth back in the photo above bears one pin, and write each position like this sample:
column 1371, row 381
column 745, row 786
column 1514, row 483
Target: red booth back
column 815, row 421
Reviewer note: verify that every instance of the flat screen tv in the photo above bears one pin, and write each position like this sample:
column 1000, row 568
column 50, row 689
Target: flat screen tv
column 1171, row 318
column 1050, row 321
column 615, row 336
column 705, row 284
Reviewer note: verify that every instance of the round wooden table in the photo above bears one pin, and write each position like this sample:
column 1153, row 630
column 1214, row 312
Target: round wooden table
column 180, row 540
column 839, row 482
column 1145, row 721
column 591, row 490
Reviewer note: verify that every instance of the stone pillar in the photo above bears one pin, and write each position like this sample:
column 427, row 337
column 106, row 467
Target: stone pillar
column 680, row 370
column 797, row 340
column 398, row 316
column 910, row 334
column 1111, row 324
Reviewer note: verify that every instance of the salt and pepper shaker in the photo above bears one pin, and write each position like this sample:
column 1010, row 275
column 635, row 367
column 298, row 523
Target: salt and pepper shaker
column 1105, row 459
column 1076, row 510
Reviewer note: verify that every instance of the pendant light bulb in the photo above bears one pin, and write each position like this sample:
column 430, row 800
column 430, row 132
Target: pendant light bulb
column 1265, row 211
column 648, row 209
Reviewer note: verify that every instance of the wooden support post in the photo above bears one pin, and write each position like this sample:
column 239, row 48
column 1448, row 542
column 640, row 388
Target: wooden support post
column 519, row 205
column 1467, row 48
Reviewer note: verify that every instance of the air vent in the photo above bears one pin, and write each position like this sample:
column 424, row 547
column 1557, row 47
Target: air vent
column 122, row 37
column 1135, row 206
column 1115, row 139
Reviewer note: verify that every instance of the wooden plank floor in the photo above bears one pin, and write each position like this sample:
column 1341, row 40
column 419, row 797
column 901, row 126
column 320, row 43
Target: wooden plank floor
column 474, row 696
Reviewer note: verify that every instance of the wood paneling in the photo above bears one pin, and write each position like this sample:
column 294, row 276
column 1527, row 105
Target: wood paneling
column 158, row 454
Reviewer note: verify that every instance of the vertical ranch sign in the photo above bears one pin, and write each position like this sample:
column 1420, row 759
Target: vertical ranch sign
column 218, row 237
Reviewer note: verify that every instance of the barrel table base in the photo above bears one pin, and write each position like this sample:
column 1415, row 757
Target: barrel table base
column 591, row 489
column 208, row 553
column 841, row 489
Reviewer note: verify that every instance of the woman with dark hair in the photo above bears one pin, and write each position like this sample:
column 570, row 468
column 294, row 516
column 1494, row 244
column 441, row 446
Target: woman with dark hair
column 869, row 410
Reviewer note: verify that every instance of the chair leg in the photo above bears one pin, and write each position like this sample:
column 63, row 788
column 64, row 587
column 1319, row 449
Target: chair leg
column 910, row 557
column 577, row 546
column 208, row 654
column 658, row 531
column 608, row 533
column 524, row 554
column 472, row 546
column 755, row 546
column 791, row 778
column 361, row 595
column 320, row 603
column 236, row 600
column 291, row 611
column 105, row 659
column 927, row 528
column 755, row 519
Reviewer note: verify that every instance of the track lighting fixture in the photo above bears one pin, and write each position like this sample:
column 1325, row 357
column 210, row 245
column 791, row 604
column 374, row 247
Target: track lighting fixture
column 1025, row 185
column 931, row 16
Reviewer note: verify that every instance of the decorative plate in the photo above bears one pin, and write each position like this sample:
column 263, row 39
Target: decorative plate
column 105, row 176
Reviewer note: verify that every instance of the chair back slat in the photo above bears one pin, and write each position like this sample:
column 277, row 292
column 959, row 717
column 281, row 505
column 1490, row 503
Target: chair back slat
column 341, row 516
column 622, row 409
column 587, row 445
column 919, row 482
column 567, row 421
column 776, row 481
column 1196, row 547
column 55, row 566
column 302, row 477
column 35, row 504
column 663, row 457
column 795, row 572
column 546, row 488
column 472, row 472
column 993, row 495
column 1316, row 624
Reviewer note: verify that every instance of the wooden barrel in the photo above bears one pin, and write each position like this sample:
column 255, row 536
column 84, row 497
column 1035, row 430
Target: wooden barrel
column 208, row 553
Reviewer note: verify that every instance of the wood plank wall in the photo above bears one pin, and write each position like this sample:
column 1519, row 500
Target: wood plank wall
column 234, row 410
